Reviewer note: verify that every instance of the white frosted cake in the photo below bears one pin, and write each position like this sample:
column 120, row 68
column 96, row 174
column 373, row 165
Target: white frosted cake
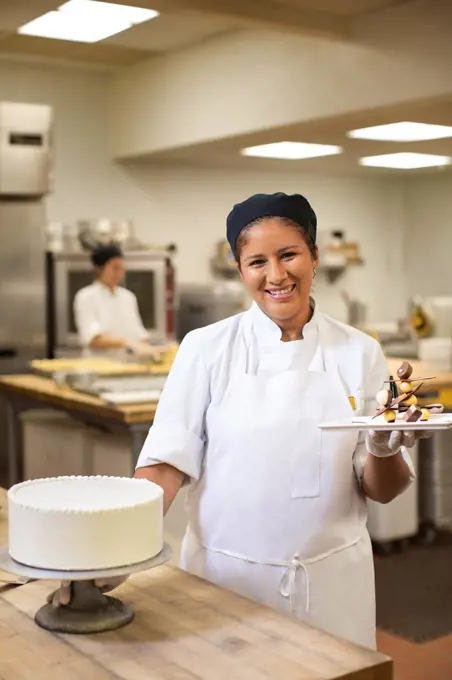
column 78, row 523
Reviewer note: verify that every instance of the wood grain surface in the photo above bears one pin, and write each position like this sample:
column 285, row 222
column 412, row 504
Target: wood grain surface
column 105, row 366
column 184, row 629
column 47, row 391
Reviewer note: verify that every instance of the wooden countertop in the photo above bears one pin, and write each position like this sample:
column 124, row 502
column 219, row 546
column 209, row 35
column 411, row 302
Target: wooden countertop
column 45, row 390
column 440, row 388
column 184, row 629
column 104, row 365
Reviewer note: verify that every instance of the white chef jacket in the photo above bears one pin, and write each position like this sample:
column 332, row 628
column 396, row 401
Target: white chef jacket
column 275, row 508
column 98, row 310
column 206, row 359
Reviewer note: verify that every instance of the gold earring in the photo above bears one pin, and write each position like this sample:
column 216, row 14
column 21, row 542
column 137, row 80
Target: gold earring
column 314, row 272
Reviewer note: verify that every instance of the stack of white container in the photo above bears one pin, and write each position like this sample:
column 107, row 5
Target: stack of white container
column 436, row 351
column 436, row 462
column 55, row 444
column 436, row 482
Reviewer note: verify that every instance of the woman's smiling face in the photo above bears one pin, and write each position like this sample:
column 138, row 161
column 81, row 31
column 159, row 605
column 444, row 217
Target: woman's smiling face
column 277, row 267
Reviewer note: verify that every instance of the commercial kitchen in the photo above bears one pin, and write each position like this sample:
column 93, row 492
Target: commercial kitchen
column 145, row 134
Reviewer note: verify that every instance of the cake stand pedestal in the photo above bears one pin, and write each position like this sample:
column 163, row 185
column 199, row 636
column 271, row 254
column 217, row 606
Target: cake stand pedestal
column 89, row 611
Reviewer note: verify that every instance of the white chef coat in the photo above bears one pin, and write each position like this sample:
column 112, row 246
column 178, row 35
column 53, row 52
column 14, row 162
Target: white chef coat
column 98, row 310
column 275, row 508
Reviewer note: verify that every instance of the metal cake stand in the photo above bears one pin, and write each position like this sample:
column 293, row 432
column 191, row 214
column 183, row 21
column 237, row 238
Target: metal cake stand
column 89, row 611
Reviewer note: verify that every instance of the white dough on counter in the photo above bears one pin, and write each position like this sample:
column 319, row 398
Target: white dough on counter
column 76, row 523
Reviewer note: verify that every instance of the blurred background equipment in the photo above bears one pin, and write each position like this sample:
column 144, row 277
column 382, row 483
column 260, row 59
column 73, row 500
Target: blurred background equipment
column 356, row 311
column 150, row 275
column 223, row 264
column 26, row 177
column 202, row 304
column 431, row 319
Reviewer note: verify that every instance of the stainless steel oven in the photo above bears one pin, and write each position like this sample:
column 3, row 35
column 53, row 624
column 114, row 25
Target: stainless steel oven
column 149, row 275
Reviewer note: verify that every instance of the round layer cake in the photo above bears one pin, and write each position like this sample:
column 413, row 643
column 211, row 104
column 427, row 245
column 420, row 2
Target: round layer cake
column 78, row 523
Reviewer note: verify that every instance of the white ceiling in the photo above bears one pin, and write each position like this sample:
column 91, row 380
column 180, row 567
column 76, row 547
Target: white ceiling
column 184, row 22
column 171, row 32
column 343, row 7
column 181, row 23
column 165, row 33
column 13, row 14
column 226, row 153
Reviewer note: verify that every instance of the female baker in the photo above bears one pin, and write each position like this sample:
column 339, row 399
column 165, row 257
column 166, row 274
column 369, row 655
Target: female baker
column 277, row 506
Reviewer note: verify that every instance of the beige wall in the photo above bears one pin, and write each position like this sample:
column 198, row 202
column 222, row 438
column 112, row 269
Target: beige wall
column 253, row 80
column 189, row 206
column 85, row 179
column 428, row 219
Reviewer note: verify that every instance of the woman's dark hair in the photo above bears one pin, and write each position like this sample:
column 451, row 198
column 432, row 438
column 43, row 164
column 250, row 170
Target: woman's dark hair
column 102, row 254
column 288, row 223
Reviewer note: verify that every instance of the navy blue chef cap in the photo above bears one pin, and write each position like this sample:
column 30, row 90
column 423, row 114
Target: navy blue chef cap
column 102, row 254
column 294, row 207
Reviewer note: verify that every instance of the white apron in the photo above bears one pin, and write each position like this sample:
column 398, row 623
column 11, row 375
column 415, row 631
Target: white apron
column 276, row 515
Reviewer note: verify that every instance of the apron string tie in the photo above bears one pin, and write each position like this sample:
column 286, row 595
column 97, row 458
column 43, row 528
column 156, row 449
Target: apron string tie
column 288, row 584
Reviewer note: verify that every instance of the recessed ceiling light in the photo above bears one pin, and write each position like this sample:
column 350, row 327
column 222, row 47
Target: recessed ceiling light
column 86, row 21
column 404, row 131
column 291, row 150
column 406, row 161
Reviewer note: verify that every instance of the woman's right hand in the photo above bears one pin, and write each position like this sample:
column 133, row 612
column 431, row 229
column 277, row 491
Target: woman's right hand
column 62, row 596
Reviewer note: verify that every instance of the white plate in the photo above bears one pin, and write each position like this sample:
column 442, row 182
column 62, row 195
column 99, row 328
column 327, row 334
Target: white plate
column 440, row 421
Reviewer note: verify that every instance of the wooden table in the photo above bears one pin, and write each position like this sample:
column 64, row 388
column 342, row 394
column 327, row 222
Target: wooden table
column 184, row 629
column 24, row 392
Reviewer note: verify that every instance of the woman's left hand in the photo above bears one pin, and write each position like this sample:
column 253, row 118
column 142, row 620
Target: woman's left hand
column 383, row 443
column 62, row 596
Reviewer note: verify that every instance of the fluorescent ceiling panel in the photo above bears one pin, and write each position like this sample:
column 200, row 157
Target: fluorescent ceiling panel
column 291, row 150
column 86, row 21
column 406, row 161
column 404, row 131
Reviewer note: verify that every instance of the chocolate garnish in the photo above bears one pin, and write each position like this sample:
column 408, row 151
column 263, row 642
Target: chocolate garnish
column 399, row 400
column 413, row 414
column 405, row 370
column 435, row 408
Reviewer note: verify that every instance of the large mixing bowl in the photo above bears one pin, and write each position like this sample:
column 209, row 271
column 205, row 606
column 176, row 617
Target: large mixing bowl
column 93, row 233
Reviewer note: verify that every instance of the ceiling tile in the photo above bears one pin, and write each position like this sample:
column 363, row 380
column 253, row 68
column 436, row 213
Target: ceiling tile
column 344, row 7
column 15, row 13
